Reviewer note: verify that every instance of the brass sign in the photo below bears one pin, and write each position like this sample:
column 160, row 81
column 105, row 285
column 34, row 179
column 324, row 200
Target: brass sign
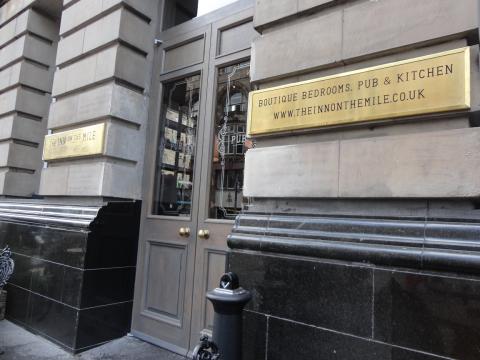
column 88, row 140
column 428, row 84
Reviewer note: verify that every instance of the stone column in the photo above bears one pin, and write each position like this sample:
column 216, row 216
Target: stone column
column 103, row 75
column 28, row 42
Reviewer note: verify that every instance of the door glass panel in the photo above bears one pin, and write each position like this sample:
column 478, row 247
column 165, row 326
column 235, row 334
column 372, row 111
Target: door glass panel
column 175, row 157
column 230, row 142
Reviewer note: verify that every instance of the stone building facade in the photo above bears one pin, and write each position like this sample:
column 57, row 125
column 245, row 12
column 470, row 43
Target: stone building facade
column 358, row 240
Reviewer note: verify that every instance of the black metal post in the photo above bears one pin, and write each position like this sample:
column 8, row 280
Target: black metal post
column 228, row 301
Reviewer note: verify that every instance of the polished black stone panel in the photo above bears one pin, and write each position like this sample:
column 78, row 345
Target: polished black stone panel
column 289, row 340
column 16, row 235
column 55, row 281
column 53, row 319
column 47, row 278
column 113, row 240
column 333, row 295
column 75, row 269
column 112, row 251
column 64, row 247
column 100, row 324
column 54, row 244
column 17, row 304
column 438, row 314
column 22, row 276
column 72, row 286
column 422, row 284
column 254, row 336
column 106, row 286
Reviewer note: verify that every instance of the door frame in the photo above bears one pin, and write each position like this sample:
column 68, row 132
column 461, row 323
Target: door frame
column 149, row 220
column 215, row 226
column 209, row 27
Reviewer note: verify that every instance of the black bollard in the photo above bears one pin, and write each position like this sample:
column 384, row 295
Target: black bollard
column 228, row 301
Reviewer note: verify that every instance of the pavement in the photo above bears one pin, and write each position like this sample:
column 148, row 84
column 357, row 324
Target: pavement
column 18, row 344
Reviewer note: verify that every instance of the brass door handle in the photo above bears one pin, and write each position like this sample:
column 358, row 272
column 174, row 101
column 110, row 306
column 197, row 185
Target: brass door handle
column 184, row 231
column 203, row 233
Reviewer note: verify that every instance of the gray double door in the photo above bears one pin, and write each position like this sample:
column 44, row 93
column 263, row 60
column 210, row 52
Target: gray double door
column 193, row 174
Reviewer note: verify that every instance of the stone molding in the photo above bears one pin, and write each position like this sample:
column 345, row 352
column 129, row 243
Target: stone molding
column 56, row 215
column 442, row 244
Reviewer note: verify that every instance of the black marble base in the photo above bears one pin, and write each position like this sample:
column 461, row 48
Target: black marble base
column 310, row 343
column 74, row 270
column 315, row 309
column 306, row 306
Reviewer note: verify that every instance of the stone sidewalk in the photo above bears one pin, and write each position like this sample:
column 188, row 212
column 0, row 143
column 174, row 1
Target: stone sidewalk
column 19, row 344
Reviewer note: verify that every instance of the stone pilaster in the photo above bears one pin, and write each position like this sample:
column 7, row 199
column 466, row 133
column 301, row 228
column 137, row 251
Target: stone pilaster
column 28, row 42
column 103, row 72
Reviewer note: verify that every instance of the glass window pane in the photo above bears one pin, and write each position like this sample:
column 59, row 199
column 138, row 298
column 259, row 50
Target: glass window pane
column 206, row 6
column 230, row 143
column 176, row 148
column 179, row 11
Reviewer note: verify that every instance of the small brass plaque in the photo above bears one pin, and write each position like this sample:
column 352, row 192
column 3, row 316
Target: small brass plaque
column 88, row 140
column 428, row 84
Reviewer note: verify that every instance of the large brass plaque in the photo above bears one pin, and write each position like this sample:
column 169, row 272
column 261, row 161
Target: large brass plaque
column 428, row 84
column 88, row 140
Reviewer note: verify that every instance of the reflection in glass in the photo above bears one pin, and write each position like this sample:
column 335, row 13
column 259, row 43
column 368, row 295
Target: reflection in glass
column 176, row 148
column 230, row 142
column 177, row 12
column 206, row 6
